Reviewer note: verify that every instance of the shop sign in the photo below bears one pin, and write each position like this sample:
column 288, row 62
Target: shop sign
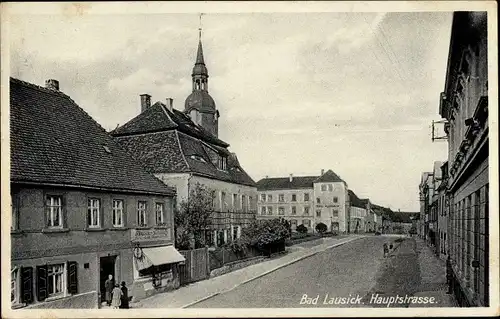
column 151, row 234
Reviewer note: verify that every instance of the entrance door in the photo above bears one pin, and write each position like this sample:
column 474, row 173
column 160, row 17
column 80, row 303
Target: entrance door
column 107, row 268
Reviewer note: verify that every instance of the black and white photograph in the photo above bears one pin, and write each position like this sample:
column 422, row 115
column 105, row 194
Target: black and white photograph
column 197, row 159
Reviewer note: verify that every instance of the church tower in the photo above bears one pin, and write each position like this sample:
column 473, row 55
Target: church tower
column 199, row 104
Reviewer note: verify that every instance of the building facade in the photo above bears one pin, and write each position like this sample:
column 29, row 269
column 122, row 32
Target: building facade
column 442, row 214
column 434, row 206
column 425, row 192
column 360, row 220
column 306, row 200
column 82, row 209
column 182, row 149
column 464, row 104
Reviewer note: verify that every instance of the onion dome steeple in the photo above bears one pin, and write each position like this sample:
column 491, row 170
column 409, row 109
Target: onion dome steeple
column 199, row 104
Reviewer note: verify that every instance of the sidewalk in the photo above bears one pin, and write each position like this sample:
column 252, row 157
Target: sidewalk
column 433, row 278
column 196, row 292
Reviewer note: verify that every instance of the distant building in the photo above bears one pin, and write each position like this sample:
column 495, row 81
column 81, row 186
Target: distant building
column 82, row 209
column 426, row 190
column 434, row 205
column 182, row 148
column 464, row 104
column 442, row 210
column 359, row 214
column 307, row 200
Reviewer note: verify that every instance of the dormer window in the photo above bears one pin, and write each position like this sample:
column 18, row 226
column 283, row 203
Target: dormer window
column 198, row 158
column 222, row 163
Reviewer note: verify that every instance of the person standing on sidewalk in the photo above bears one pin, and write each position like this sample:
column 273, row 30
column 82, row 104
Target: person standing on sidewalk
column 108, row 286
column 386, row 250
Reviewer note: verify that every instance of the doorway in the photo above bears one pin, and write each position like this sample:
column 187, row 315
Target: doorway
column 107, row 268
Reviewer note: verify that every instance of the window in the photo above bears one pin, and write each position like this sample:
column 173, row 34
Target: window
column 306, row 210
column 294, row 210
column 15, row 212
column 270, row 210
column 235, row 200
column 281, row 210
column 294, row 198
column 262, row 197
column 141, row 214
column 335, row 213
column 213, row 194
column 330, row 187
column 269, row 198
column 117, row 213
column 323, row 187
column 281, row 198
column 94, row 209
column 306, row 222
column 263, row 210
column 306, row 197
column 223, row 203
column 318, row 213
column 14, row 286
column 318, row 200
column 243, row 203
column 235, row 233
column 335, row 199
column 53, row 208
column 160, row 218
column 250, row 200
column 222, row 162
column 55, row 283
column 293, row 223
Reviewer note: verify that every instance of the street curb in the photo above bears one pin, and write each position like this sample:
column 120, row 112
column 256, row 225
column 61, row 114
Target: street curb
column 271, row 270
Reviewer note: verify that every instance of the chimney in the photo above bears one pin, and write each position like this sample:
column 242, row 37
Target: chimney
column 169, row 103
column 291, row 178
column 145, row 102
column 52, row 84
column 267, row 176
column 322, row 171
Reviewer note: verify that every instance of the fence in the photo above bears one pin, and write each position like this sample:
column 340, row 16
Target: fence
column 196, row 267
column 223, row 256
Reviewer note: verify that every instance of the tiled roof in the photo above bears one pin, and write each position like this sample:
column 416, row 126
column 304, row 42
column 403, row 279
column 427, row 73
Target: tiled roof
column 276, row 183
column 355, row 200
column 298, row 182
column 329, row 177
column 181, row 149
column 157, row 118
column 54, row 141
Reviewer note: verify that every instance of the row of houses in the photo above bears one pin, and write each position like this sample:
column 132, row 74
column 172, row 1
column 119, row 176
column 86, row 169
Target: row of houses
column 454, row 211
column 87, row 203
column 326, row 199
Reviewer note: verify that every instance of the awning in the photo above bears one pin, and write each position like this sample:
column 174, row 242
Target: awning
column 155, row 256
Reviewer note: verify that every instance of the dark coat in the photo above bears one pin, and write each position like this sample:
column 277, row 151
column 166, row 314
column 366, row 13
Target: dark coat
column 124, row 303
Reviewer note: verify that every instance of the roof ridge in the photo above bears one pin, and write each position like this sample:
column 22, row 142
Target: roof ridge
column 182, row 150
column 60, row 93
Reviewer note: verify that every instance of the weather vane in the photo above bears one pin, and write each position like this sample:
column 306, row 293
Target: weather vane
column 199, row 29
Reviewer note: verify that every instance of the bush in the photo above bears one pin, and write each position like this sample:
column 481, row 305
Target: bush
column 321, row 228
column 377, row 233
column 301, row 229
column 262, row 233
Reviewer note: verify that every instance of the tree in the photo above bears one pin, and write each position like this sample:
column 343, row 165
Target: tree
column 194, row 216
column 264, row 233
column 321, row 228
column 301, row 229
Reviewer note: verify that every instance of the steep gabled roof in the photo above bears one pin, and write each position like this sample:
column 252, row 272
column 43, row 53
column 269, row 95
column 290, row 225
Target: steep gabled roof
column 328, row 177
column 158, row 117
column 355, row 200
column 278, row 183
column 179, row 149
column 55, row 142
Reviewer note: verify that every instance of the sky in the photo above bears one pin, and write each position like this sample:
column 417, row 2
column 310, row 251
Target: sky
column 297, row 92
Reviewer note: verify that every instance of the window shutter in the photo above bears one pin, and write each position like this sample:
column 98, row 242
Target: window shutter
column 41, row 282
column 26, row 284
column 72, row 277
